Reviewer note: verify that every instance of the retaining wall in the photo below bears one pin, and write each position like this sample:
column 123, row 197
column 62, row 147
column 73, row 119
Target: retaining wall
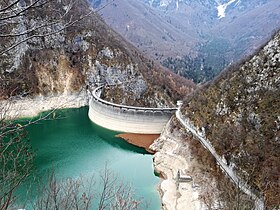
column 127, row 119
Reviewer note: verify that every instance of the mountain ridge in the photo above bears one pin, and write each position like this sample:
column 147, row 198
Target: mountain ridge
column 239, row 113
column 194, row 30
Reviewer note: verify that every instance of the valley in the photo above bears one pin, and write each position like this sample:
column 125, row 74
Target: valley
column 215, row 63
column 189, row 37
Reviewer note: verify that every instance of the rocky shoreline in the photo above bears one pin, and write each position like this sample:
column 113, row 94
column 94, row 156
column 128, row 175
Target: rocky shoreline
column 31, row 107
column 169, row 158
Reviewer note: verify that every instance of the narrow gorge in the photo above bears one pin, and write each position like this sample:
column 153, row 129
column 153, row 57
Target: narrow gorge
column 215, row 145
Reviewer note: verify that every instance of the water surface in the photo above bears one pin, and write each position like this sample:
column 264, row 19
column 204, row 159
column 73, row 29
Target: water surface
column 74, row 146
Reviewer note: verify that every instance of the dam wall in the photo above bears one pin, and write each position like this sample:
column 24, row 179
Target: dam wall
column 128, row 119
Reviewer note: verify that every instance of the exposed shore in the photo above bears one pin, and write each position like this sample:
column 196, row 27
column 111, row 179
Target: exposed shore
column 31, row 107
column 140, row 140
column 167, row 160
column 171, row 155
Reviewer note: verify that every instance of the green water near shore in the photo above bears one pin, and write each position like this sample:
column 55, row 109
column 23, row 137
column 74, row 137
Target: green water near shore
column 74, row 146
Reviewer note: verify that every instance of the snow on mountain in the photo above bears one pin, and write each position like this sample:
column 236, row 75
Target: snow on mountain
column 212, row 32
column 222, row 8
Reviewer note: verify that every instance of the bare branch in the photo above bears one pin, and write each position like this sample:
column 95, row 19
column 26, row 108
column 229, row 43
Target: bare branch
column 70, row 23
column 21, row 11
column 9, row 6
column 38, row 27
column 15, row 155
column 105, row 5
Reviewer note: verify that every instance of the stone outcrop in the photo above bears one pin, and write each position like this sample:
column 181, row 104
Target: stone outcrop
column 31, row 107
column 81, row 55
column 172, row 155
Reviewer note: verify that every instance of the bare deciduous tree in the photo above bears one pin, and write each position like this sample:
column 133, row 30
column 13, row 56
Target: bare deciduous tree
column 15, row 161
column 68, row 194
column 16, row 30
column 16, row 155
column 79, row 194
column 115, row 195
column 22, row 23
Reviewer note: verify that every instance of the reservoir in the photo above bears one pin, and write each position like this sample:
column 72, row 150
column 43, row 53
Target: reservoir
column 74, row 146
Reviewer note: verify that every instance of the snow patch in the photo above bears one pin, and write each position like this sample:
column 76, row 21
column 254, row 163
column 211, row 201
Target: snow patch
column 222, row 8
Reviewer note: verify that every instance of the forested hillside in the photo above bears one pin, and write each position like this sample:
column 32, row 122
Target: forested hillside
column 195, row 38
column 239, row 113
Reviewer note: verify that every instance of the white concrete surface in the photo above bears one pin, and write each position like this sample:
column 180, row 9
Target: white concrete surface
column 127, row 119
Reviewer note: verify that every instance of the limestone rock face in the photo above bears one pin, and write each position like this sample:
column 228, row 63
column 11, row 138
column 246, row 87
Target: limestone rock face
column 173, row 154
column 84, row 54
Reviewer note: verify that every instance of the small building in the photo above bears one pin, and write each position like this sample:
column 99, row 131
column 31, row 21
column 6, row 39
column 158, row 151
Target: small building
column 183, row 177
column 179, row 103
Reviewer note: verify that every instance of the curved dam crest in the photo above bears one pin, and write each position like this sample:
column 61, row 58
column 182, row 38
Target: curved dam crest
column 127, row 119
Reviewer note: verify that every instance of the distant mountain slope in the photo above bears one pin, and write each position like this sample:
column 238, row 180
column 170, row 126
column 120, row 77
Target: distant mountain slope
column 85, row 54
column 240, row 114
column 210, row 33
column 149, row 29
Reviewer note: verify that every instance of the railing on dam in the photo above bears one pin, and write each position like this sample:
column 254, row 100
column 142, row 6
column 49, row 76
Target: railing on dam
column 97, row 93
column 128, row 119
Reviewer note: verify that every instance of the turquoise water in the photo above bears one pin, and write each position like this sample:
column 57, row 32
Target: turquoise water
column 74, row 146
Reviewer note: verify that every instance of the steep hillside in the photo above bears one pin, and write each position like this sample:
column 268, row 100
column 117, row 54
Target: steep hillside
column 192, row 37
column 240, row 114
column 83, row 54
column 153, row 31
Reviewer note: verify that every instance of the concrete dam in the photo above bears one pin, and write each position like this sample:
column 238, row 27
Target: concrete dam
column 128, row 119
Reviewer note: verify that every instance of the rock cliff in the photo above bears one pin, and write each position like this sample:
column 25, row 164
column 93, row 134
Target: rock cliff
column 173, row 154
column 83, row 54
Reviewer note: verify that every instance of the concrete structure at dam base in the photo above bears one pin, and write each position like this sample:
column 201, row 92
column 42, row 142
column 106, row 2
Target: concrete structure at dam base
column 128, row 119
